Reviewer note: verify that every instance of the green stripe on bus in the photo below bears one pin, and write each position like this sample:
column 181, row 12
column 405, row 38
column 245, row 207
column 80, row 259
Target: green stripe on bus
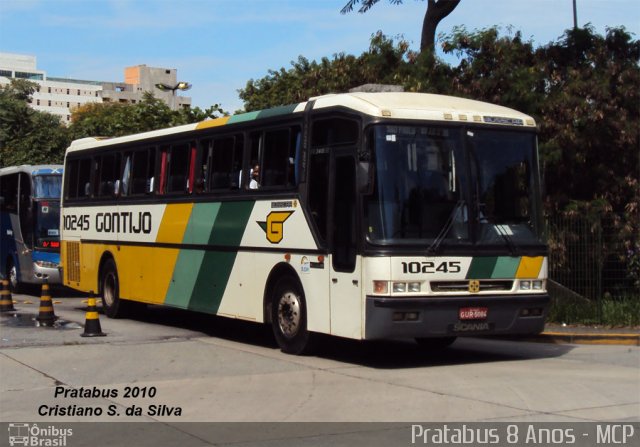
column 482, row 267
column 212, row 281
column 506, row 267
column 231, row 223
column 185, row 275
column 213, row 275
column 275, row 111
column 241, row 118
column 201, row 223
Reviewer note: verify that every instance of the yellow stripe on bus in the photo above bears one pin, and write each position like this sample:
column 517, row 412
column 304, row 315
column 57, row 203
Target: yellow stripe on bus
column 174, row 223
column 213, row 123
column 529, row 267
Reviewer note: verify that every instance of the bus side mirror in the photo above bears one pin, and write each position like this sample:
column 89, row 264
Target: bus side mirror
column 365, row 177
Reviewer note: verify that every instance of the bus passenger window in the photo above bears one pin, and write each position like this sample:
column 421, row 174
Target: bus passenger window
column 140, row 173
column 84, row 179
column 275, row 160
column 223, row 162
column 178, row 168
column 108, row 175
column 126, row 175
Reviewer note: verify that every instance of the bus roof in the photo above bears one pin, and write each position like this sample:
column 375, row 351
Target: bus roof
column 386, row 105
column 33, row 169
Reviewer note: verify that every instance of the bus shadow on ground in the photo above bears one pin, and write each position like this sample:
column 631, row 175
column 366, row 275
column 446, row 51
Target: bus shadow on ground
column 383, row 354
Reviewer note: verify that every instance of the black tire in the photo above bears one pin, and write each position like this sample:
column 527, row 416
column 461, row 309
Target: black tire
column 110, row 290
column 435, row 344
column 289, row 317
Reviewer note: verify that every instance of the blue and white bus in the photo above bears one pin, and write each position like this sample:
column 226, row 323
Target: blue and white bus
column 30, row 224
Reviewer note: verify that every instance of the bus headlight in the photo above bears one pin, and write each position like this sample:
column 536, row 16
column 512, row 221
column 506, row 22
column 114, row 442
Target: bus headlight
column 46, row 264
column 528, row 284
column 399, row 287
column 414, row 287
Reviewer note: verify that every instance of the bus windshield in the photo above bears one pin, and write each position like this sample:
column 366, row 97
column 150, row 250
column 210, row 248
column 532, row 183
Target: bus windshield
column 47, row 222
column 47, row 186
column 446, row 186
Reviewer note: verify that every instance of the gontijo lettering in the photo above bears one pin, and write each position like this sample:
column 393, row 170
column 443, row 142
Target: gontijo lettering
column 124, row 222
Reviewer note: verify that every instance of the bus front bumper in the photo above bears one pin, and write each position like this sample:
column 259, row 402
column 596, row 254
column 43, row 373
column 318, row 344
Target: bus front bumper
column 418, row 317
column 50, row 274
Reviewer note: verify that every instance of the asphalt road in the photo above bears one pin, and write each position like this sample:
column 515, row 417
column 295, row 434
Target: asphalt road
column 180, row 367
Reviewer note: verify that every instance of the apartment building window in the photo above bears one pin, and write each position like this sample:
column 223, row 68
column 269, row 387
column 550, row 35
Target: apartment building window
column 49, row 89
column 49, row 103
column 38, row 102
column 78, row 92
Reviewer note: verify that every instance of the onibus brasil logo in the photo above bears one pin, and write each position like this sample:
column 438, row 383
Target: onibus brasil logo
column 32, row 435
column 274, row 225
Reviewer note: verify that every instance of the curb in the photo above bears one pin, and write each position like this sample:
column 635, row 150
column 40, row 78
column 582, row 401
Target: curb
column 589, row 339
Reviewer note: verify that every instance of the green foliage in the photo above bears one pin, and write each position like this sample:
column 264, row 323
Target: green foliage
column 115, row 119
column 28, row 136
column 609, row 312
column 380, row 64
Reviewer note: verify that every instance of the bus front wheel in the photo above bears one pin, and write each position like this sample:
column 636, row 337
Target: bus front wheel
column 289, row 317
column 110, row 290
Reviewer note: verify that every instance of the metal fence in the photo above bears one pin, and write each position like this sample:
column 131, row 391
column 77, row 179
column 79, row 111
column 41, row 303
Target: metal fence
column 593, row 258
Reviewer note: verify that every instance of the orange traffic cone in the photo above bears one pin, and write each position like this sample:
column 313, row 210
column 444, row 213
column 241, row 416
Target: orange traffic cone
column 46, row 317
column 92, row 322
column 6, row 302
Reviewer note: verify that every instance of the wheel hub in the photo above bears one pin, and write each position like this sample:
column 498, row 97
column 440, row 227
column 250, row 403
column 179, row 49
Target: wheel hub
column 289, row 314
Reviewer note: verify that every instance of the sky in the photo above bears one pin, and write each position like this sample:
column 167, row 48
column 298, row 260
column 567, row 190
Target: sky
column 218, row 45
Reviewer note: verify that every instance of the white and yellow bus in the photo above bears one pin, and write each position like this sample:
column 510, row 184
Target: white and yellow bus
column 360, row 215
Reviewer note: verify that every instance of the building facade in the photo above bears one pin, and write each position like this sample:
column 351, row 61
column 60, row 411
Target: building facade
column 60, row 96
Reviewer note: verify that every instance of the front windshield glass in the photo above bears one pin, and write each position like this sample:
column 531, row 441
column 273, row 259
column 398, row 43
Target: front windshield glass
column 47, row 233
column 419, row 186
column 47, row 186
column 445, row 186
column 507, row 183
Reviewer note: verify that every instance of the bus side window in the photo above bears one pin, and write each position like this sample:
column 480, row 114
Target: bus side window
column 225, row 160
column 71, row 178
column 25, row 210
column 178, row 173
column 126, row 175
column 84, row 178
column 140, row 172
column 108, row 175
column 9, row 188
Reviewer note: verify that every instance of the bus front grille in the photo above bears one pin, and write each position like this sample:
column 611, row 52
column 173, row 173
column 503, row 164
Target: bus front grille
column 73, row 261
column 463, row 286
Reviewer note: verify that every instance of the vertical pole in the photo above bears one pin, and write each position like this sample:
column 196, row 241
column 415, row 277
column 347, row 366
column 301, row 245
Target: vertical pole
column 575, row 15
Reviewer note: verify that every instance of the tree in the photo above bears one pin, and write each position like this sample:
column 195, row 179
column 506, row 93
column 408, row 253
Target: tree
column 436, row 11
column 116, row 119
column 28, row 136
column 382, row 63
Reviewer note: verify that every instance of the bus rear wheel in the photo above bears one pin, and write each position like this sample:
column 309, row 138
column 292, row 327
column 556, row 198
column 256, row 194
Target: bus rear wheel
column 110, row 290
column 289, row 317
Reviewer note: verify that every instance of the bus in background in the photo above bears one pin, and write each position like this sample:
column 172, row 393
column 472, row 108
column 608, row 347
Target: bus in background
column 30, row 224
column 360, row 215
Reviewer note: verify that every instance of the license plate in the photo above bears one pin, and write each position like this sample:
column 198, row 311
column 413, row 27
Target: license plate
column 473, row 313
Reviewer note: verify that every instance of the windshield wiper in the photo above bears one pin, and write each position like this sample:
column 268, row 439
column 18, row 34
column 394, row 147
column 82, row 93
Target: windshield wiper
column 507, row 238
column 435, row 245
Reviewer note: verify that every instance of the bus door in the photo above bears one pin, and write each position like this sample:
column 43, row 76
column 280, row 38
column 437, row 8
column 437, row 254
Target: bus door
column 345, row 271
